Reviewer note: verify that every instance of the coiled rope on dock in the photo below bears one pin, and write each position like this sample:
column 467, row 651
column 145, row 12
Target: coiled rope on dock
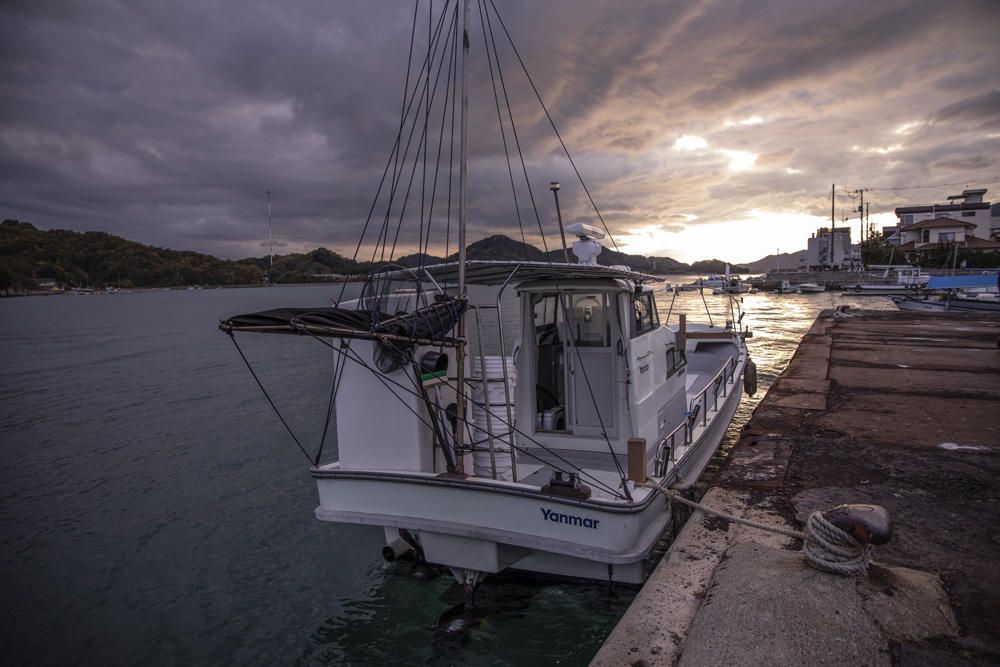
column 825, row 546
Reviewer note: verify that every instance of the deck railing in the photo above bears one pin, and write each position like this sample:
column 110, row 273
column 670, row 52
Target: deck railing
column 666, row 450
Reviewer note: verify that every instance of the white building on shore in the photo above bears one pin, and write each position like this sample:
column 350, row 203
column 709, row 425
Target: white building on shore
column 831, row 249
column 967, row 207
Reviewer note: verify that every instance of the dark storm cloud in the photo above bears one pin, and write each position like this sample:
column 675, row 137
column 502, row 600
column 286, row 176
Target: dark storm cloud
column 982, row 111
column 166, row 122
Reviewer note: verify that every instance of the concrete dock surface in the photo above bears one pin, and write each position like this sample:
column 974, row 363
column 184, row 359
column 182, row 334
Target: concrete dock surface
column 890, row 408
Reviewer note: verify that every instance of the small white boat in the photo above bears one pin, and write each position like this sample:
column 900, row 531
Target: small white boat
column 784, row 287
column 726, row 283
column 909, row 280
column 810, row 288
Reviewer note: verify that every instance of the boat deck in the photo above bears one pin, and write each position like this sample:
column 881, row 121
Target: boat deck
column 535, row 465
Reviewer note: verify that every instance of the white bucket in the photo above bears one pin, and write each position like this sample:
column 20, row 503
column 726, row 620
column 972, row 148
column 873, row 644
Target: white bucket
column 481, row 466
column 493, row 400
column 494, row 367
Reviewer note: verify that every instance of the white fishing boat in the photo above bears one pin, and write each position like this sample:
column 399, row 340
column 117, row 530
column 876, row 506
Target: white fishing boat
column 980, row 293
column 726, row 283
column 909, row 280
column 482, row 436
column 810, row 288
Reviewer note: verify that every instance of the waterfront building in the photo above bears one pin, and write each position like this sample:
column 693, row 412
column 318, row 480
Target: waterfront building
column 967, row 207
column 967, row 222
column 936, row 230
column 830, row 249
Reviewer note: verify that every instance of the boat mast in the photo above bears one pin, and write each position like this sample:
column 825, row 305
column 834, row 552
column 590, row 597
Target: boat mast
column 463, row 179
column 463, row 205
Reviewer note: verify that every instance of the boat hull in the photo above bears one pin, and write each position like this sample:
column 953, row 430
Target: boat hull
column 879, row 290
column 946, row 305
column 487, row 526
column 483, row 526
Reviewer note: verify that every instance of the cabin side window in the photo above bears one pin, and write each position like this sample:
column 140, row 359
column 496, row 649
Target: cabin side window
column 675, row 361
column 644, row 318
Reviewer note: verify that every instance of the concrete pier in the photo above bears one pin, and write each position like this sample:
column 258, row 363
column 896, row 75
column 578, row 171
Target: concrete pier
column 890, row 408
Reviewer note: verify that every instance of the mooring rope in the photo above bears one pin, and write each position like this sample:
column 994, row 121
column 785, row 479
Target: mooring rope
column 825, row 546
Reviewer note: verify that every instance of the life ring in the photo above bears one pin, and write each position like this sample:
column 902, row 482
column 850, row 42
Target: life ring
column 857, row 288
column 750, row 378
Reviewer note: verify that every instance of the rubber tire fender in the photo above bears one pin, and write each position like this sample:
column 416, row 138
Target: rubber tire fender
column 750, row 378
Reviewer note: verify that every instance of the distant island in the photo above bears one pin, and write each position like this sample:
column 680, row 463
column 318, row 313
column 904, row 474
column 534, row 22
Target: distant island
column 32, row 259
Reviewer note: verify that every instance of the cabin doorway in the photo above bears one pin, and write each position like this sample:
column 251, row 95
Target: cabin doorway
column 575, row 383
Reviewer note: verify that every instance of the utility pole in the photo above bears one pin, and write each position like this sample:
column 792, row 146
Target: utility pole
column 861, row 216
column 833, row 221
column 861, row 212
column 270, row 244
column 554, row 186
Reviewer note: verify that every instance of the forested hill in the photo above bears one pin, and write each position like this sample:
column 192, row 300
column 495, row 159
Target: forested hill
column 30, row 258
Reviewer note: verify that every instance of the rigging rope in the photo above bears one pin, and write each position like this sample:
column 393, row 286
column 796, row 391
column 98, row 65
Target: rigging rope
column 825, row 546
column 449, row 93
column 524, row 169
column 423, row 137
column 467, row 423
column 353, row 356
column 552, row 123
column 503, row 134
column 268, row 397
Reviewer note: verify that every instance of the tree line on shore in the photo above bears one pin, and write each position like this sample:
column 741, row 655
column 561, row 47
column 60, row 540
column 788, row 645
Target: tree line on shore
column 33, row 259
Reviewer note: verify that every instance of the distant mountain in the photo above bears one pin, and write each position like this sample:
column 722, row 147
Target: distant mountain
column 503, row 248
column 29, row 256
column 716, row 266
column 786, row 260
column 499, row 247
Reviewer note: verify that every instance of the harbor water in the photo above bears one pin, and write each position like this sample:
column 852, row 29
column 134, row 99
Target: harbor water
column 154, row 510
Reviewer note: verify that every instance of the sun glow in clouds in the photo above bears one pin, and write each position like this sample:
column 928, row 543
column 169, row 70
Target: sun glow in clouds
column 906, row 128
column 739, row 160
column 743, row 240
column 689, row 142
column 752, row 120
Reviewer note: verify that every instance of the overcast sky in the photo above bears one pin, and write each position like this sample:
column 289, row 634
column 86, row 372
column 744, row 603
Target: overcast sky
column 703, row 129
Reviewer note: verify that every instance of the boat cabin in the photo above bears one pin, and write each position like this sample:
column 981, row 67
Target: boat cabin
column 592, row 362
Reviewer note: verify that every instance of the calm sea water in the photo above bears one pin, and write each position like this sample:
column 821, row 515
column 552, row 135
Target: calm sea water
column 153, row 509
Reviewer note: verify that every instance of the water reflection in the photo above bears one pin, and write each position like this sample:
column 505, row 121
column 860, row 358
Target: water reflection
column 516, row 615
